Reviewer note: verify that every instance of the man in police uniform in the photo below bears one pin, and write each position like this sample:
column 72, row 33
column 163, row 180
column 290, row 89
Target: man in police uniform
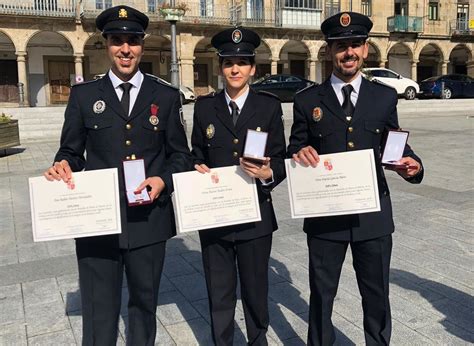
column 347, row 113
column 122, row 116
column 221, row 122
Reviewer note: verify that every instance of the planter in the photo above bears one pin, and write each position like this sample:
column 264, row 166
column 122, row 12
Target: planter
column 172, row 14
column 9, row 134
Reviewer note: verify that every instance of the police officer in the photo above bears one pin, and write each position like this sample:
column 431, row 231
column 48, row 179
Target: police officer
column 124, row 115
column 347, row 113
column 220, row 125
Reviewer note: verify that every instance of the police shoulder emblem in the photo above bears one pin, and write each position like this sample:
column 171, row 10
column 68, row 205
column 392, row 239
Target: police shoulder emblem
column 317, row 114
column 99, row 107
column 123, row 13
column 345, row 19
column 236, row 36
column 210, row 131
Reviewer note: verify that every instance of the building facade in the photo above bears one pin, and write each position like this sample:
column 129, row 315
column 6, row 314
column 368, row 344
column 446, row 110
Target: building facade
column 48, row 45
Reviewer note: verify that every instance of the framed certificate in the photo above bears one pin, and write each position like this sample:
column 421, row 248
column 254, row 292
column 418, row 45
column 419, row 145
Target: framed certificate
column 225, row 196
column 134, row 172
column 88, row 207
column 341, row 184
column 393, row 150
column 255, row 145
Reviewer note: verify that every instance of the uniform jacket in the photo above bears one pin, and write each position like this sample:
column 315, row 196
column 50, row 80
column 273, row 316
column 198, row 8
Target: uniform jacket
column 111, row 136
column 375, row 113
column 225, row 147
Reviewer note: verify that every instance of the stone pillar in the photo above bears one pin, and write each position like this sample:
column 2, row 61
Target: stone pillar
column 78, row 59
column 470, row 68
column 382, row 63
column 444, row 66
column 414, row 64
column 312, row 69
column 22, row 75
column 274, row 69
column 187, row 72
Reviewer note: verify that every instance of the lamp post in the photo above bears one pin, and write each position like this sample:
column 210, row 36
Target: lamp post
column 174, row 60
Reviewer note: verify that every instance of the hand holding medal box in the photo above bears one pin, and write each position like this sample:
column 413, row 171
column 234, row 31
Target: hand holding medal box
column 255, row 144
column 393, row 150
column 134, row 173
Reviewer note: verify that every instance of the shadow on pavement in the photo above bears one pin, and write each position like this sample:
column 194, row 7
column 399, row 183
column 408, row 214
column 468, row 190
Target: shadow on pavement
column 11, row 151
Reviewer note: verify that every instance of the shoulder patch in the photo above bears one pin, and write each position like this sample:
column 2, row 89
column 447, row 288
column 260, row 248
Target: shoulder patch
column 161, row 81
column 84, row 83
column 307, row 88
column 263, row 92
column 211, row 94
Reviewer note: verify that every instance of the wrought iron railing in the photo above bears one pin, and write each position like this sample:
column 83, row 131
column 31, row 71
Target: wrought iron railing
column 45, row 8
column 461, row 27
column 404, row 24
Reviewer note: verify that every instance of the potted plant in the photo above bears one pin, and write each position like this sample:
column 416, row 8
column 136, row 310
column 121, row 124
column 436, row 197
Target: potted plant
column 9, row 133
column 174, row 13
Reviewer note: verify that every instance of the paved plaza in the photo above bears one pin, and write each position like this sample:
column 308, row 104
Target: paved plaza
column 431, row 283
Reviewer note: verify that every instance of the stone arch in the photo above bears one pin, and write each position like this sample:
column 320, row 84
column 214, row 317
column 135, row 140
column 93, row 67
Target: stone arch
column 9, row 92
column 275, row 46
column 294, row 55
column 373, row 60
column 325, row 66
column 263, row 60
column 206, row 67
column 400, row 59
column 431, row 61
column 459, row 57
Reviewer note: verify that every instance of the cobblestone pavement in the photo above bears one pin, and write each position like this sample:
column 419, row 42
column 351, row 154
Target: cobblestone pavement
column 432, row 281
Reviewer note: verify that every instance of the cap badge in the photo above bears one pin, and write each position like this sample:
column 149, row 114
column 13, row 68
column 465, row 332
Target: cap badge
column 122, row 13
column 345, row 19
column 99, row 107
column 210, row 131
column 236, row 36
column 317, row 114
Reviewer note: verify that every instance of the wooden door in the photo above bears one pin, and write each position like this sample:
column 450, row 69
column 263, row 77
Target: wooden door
column 60, row 81
column 8, row 81
column 201, row 81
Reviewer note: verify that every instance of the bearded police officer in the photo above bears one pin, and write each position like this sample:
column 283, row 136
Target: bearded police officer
column 122, row 116
column 347, row 113
column 220, row 126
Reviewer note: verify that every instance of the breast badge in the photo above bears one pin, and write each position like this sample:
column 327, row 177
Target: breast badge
column 317, row 114
column 154, row 115
column 210, row 131
column 99, row 107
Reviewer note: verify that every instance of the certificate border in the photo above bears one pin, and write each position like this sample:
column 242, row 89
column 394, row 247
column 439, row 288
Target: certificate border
column 178, row 214
column 295, row 215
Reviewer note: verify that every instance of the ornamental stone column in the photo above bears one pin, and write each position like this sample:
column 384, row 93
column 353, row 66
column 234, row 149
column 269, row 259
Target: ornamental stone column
column 312, row 69
column 274, row 66
column 78, row 59
column 22, row 76
column 414, row 65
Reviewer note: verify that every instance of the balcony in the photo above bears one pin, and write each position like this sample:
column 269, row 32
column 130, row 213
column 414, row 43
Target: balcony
column 406, row 24
column 460, row 28
column 43, row 8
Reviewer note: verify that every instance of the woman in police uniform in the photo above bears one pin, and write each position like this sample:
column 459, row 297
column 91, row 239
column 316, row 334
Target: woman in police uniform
column 220, row 126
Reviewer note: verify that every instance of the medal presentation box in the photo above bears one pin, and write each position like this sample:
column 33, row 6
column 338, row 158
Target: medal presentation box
column 255, row 145
column 134, row 174
column 393, row 150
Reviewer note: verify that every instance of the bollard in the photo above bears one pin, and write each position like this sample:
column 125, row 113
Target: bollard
column 21, row 94
column 442, row 90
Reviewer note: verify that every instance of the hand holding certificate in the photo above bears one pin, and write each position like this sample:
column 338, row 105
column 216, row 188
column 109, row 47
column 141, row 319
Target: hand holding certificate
column 87, row 206
column 342, row 183
column 225, row 196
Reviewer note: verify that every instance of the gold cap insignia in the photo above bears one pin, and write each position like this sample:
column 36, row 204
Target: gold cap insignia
column 345, row 19
column 317, row 114
column 210, row 131
column 122, row 13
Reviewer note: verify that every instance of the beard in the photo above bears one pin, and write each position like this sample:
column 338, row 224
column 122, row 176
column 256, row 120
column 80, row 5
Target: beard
column 348, row 72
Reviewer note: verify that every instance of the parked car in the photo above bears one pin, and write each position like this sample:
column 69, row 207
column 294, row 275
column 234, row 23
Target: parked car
column 455, row 85
column 186, row 93
column 405, row 87
column 282, row 85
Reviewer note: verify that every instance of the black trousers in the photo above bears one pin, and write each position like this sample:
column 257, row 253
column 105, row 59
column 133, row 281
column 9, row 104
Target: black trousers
column 100, row 280
column 221, row 259
column 371, row 262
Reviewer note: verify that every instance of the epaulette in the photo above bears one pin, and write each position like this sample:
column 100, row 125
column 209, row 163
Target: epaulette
column 306, row 88
column 87, row 82
column 161, row 81
column 211, row 94
column 263, row 92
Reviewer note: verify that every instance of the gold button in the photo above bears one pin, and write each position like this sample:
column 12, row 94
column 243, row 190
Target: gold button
column 128, row 126
column 133, row 157
column 377, row 131
column 350, row 144
column 350, row 129
column 127, row 142
column 96, row 127
column 236, row 141
column 348, row 118
column 235, row 154
column 155, row 128
column 127, row 158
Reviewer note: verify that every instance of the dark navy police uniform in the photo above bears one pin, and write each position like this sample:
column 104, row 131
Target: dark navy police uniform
column 96, row 122
column 243, row 248
column 320, row 121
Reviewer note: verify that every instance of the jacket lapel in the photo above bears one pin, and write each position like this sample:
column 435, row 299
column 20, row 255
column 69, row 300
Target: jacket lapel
column 144, row 98
column 248, row 111
column 108, row 94
column 363, row 101
column 222, row 111
column 329, row 99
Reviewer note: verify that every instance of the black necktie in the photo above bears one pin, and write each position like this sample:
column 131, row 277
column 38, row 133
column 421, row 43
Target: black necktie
column 347, row 105
column 235, row 111
column 125, row 101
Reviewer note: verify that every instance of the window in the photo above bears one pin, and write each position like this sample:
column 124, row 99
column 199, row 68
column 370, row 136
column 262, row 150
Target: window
column 255, row 9
column 367, row 7
column 206, row 8
column 401, row 7
column 154, row 4
column 433, row 7
column 332, row 7
column 103, row 4
column 301, row 4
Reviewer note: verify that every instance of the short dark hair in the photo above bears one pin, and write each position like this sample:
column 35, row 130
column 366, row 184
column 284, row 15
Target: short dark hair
column 251, row 59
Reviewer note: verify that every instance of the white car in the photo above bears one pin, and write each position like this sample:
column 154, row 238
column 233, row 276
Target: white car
column 406, row 87
column 186, row 93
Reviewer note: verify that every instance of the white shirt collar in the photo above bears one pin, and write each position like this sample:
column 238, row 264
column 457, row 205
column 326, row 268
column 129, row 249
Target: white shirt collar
column 136, row 80
column 240, row 101
column 338, row 83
